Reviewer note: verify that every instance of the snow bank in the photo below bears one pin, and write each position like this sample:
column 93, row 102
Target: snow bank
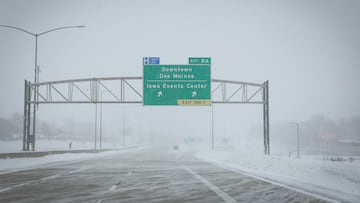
column 48, row 145
column 338, row 180
column 12, row 165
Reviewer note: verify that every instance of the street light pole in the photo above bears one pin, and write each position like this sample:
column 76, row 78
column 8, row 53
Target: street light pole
column 212, row 128
column 101, row 123
column 36, row 78
column 95, row 123
column 297, row 138
column 124, row 124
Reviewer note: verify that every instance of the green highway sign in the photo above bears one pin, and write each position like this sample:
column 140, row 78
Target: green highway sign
column 193, row 60
column 177, row 85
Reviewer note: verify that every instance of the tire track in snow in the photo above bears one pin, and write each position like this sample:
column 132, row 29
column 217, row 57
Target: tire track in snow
column 211, row 186
column 43, row 179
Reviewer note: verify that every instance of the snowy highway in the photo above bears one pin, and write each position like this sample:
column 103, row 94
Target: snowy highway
column 144, row 175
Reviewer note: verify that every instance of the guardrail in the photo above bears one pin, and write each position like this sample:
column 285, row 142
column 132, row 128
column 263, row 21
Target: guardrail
column 45, row 153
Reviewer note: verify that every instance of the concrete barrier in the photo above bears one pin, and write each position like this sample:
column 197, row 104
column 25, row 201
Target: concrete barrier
column 45, row 153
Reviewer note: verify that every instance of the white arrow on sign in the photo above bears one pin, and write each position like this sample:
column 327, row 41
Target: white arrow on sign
column 194, row 93
column 159, row 94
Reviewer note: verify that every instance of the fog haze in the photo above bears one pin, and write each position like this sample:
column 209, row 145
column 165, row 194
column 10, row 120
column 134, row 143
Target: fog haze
column 308, row 50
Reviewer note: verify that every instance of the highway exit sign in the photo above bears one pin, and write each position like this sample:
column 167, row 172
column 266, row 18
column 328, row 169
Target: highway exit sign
column 193, row 60
column 177, row 84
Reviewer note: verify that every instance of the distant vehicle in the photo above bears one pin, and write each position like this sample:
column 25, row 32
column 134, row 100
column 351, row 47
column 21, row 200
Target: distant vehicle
column 176, row 147
column 337, row 159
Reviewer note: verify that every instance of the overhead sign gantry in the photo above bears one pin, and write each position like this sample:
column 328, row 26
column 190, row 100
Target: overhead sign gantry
column 189, row 84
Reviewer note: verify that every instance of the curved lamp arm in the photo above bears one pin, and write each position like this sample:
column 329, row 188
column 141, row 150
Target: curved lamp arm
column 36, row 35
column 17, row 28
column 60, row 28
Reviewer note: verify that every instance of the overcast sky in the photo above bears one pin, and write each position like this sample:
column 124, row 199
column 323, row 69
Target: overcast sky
column 308, row 50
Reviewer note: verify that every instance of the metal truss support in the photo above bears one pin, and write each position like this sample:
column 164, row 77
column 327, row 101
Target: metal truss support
column 240, row 89
column 27, row 122
column 87, row 91
column 266, row 118
column 244, row 93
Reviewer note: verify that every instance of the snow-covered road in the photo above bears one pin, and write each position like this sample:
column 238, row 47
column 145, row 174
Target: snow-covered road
column 143, row 175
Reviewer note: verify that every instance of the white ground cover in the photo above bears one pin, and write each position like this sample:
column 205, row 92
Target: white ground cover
column 19, row 164
column 335, row 180
column 49, row 145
